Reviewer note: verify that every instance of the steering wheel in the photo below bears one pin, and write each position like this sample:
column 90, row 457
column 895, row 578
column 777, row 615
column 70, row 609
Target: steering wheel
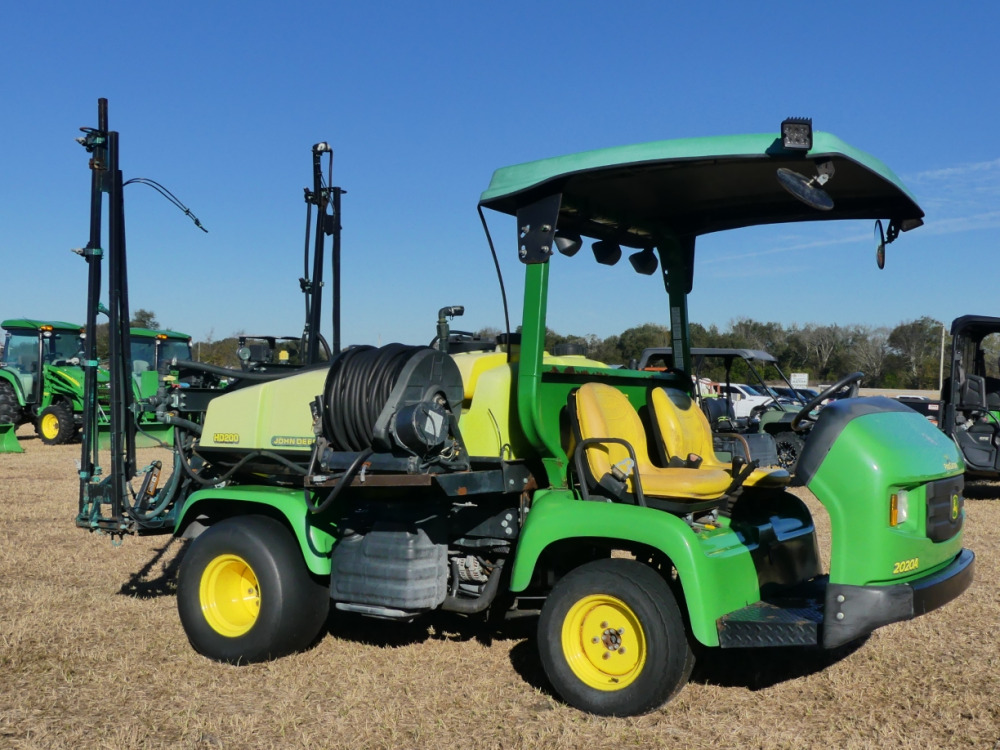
column 761, row 408
column 804, row 415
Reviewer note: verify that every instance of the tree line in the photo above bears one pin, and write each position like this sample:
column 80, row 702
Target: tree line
column 907, row 355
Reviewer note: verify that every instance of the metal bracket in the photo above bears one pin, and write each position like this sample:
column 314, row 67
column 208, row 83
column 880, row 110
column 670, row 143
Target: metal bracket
column 536, row 229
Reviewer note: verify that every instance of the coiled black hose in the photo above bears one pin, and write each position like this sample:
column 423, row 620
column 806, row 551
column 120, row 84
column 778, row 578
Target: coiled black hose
column 357, row 388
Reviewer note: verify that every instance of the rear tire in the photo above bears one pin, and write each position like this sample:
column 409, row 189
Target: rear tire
column 10, row 409
column 244, row 592
column 55, row 425
column 612, row 639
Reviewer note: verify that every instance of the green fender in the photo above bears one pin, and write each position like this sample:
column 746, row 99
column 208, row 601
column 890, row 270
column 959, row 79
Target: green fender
column 65, row 381
column 716, row 571
column 315, row 537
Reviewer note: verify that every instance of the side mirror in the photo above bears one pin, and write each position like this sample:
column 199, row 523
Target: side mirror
column 879, row 244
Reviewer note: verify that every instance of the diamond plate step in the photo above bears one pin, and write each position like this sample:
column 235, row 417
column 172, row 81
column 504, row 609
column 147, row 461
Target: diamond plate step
column 794, row 623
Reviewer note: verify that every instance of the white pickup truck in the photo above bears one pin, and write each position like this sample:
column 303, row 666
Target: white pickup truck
column 744, row 398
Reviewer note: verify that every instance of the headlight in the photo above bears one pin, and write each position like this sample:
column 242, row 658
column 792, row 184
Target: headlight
column 899, row 507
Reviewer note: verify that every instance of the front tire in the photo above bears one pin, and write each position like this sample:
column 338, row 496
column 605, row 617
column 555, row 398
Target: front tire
column 612, row 640
column 55, row 425
column 244, row 592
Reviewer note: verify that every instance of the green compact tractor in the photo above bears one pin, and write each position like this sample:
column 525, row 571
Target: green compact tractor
column 395, row 481
column 41, row 378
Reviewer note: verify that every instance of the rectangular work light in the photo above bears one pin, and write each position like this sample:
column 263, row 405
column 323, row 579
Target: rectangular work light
column 797, row 133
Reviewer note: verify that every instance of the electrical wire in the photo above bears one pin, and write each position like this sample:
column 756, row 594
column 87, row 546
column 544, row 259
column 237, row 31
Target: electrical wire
column 168, row 195
column 503, row 289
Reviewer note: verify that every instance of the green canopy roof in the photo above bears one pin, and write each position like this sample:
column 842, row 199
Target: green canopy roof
column 695, row 186
column 151, row 333
column 36, row 325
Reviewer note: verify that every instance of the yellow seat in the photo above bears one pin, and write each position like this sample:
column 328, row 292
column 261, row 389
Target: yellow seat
column 604, row 412
column 684, row 430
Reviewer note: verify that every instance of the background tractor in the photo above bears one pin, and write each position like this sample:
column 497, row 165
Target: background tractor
column 41, row 377
column 396, row 481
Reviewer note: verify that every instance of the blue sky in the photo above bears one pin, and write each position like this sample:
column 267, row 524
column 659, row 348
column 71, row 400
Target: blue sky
column 222, row 101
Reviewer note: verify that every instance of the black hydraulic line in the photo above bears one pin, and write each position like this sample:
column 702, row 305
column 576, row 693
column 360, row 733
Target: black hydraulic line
column 335, row 263
column 503, row 289
column 214, row 480
column 225, row 372
column 168, row 195
column 485, row 599
column 346, row 478
column 186, row 424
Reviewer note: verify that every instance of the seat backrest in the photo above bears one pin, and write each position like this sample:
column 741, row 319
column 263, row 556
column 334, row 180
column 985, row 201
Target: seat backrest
column 718, row 410
column 683, row 428
column 603, row 411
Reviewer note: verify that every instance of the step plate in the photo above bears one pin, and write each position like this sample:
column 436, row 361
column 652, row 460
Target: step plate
column 772, row 624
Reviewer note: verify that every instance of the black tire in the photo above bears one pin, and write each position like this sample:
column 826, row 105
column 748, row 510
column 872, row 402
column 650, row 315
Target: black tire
column 282, row 607
column 10, row 410
column 55, row 425
column 789, row 446
column 612, row 639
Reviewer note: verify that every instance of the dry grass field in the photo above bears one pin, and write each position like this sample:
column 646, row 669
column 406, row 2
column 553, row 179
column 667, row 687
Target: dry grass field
column 92, row 655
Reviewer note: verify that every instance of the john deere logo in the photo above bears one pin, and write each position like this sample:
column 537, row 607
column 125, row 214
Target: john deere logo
column 954, row 507
column 290, row 441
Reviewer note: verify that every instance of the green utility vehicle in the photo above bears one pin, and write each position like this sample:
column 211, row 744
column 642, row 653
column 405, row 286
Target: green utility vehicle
column 395, row 481
column 41, row 380
column 969, row 408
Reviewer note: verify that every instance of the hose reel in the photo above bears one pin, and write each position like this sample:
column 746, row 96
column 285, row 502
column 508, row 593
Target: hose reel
column 392, row 399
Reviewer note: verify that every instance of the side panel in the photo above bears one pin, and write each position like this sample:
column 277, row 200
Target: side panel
column 875, row 456
column 268, row 416
column 716, row 571
column 315, row 537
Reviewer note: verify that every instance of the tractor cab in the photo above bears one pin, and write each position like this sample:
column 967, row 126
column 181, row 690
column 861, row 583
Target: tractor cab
column 41, row 379
column 153, row 350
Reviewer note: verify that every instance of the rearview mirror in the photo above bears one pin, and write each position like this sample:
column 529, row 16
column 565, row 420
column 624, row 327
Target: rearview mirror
column 879, row 244
column 805, row 189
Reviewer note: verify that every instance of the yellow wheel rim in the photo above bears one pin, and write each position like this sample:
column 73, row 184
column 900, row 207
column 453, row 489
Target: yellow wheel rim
column 50, row 426
column 230, row 596
column 603, row 642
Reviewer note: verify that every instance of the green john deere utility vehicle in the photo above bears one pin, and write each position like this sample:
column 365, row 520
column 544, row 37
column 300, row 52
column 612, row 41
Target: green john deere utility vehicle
column 41, row 379
column 969, row 408
column 395, row 481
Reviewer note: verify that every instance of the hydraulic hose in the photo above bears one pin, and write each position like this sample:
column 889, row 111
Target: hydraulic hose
column 227, row 372
column 345, row 479
column 485, row 599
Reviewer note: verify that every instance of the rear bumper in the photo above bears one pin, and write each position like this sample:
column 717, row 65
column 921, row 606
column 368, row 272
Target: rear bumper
column 853, row 611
